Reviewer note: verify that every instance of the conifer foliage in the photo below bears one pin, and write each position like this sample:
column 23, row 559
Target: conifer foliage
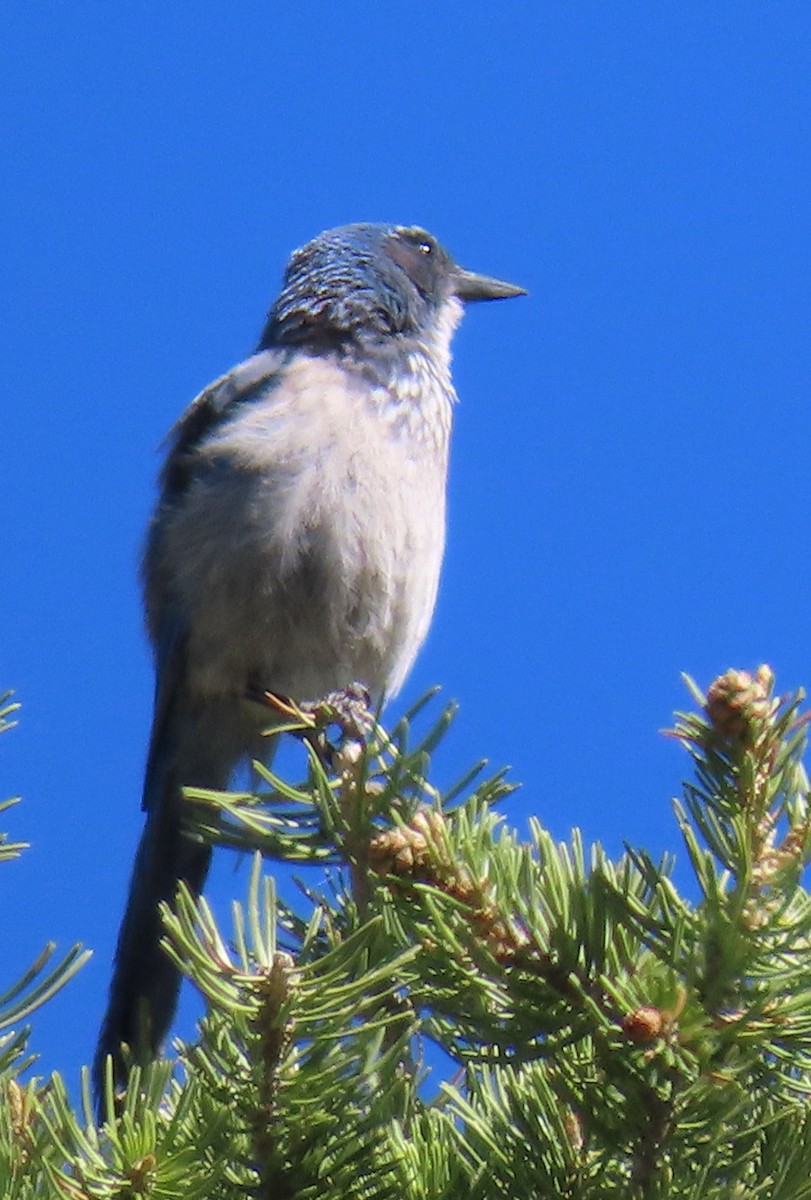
column 449, row 1011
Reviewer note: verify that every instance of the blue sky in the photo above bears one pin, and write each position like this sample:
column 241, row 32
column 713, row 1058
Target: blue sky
column 629, row 488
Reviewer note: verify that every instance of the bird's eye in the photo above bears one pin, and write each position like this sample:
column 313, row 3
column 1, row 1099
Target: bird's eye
column 418, row 254
column 420, row 240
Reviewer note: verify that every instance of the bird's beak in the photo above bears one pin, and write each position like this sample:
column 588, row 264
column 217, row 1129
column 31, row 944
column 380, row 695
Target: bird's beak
column 469, row 286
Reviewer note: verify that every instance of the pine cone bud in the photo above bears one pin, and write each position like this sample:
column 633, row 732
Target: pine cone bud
column 15, row 1098
column 404, row 850
column 574, row 1130
column 739, row 704
column 645, row 1024
column 463, row 887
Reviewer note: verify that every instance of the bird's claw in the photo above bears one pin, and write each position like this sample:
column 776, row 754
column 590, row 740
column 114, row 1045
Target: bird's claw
column 347, row 708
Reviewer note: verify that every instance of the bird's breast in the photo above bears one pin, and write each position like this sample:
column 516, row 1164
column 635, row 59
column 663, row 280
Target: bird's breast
column 306, row 552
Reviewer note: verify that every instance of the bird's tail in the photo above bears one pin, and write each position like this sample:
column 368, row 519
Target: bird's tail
column 145, row 983
column 190, row 747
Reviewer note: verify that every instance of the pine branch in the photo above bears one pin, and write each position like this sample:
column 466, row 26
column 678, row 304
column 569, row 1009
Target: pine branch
column 601, row 1033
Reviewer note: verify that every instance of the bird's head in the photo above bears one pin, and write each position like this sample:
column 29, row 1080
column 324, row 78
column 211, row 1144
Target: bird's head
column 366, row 283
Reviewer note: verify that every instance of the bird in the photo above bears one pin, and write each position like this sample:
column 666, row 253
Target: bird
column 295, row 547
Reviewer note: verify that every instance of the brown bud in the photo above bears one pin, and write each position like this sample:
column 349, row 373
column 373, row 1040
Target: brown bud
column 645, row 1024
column 426, row 821
column 347, row 756
column 398, row 851
column 574, row 1129
column 463, row 888
column 404, row 860
column 738, row 703
column 16, row 1102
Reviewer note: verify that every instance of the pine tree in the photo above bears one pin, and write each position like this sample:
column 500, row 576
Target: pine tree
column 604, row 1035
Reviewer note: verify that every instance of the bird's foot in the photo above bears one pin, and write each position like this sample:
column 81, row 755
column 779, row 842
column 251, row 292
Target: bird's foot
column 347, row 709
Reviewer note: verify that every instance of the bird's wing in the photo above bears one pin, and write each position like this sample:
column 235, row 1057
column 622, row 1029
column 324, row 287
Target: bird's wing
column 212, row 406
column 170, row 655
column 239, row 386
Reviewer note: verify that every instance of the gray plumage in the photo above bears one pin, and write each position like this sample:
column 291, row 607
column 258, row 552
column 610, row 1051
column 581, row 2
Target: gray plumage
column 296, row 547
